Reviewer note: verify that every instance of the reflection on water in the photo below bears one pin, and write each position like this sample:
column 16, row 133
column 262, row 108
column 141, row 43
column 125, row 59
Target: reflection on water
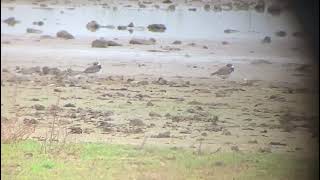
column 181, row 24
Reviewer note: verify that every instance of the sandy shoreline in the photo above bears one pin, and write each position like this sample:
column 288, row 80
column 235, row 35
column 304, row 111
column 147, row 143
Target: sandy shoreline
column 274, row 105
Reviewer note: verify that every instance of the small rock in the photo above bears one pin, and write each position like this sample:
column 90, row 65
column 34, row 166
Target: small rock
column 226, row 132
column 34, row 31
column 281, row 33
column 264, row 150
column 5, row 70
column 156, row 27
column 172, row 7
column 298, row 34
column 122, row 27
column 219, row 163
column 153, row 114
column 228, row 31
column 235, row 148
column 253, row 142
column 57, row 90
column 75, row 130
column 136, row 122
column 177, row 42
column 260, row 61
column 206, row 7
column 69, row 105
column 225, row 42
column 99, row 43
column 162, row 135
column 167, row 1
column 192, row 9
column 266, row 40
column 150, row 103
column 204, row 134
column 274, row 9
column 260, row 6
column 39, row 107
column 142, row 41
column 30, row 121
column 64, row 35
column 39, row 23
column 92, row 26
column 277, row 144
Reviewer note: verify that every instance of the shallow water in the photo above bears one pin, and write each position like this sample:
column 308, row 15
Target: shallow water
column 181, row 24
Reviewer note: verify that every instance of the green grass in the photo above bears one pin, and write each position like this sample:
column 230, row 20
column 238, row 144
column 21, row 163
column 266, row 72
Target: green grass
column 106, row 161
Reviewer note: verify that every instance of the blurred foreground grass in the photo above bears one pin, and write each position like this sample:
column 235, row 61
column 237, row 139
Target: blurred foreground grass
column 24, row 160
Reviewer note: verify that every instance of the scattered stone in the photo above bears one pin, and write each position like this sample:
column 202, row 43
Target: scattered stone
column 235, row 148
column 69, row 105
column 167, row 1
column 241, row 5
column 136, row 122
column 57, row 90
column 204, row 134
column 92, row 26
column 143, row 83
column 228, row 31
column 217, row 8
column 28, row 155
column 274, row 9
column 141, row 5
column 253, row 142
column 226, row 7
column 226, row 132
column 64, row 35
column 5, row 70
column 277, row 144
column 34, row 99
column 266, row 40
column 298, row 34
column 192, row 9
column 30, row 121
column 75, row 130
column 260, row 6
column 177, row 42
column 39, row 23
column 31, row 70
column 99, row 43
column 153, row 114
column 219, row 163
column 150, row 41
column 38, row 107
column 187, row 131
column 281, row 33
column 264, row 150
column 260, row 61
column 46, row 37
column 162, row 135
column 109, row 26
column 171, row 7
column 206, row 7
column 225, row 42
column 88, row 131
column 34, row 31
column 50, row 71
column 156, row 27
column 122, row 27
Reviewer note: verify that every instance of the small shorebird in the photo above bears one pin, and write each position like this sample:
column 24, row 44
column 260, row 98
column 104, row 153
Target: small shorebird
column 94, row 68
column 224, row 72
